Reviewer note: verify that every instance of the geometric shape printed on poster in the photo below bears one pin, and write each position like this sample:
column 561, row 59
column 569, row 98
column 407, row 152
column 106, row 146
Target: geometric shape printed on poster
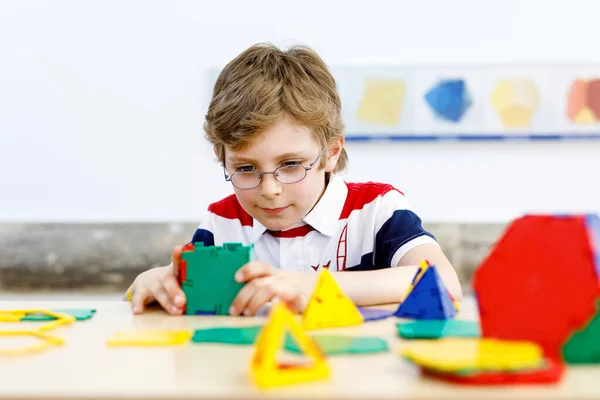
column 583, row 101
column 449, row 99
column 382, row 101
column 516, row 100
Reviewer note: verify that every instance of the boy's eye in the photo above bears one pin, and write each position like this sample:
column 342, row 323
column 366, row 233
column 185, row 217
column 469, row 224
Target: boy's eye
column 245, row 168
column 290, row 164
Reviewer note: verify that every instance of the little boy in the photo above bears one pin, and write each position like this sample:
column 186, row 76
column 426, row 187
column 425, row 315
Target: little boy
column 275, row 124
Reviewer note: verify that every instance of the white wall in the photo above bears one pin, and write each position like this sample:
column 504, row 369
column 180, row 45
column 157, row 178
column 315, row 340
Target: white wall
column 101, row 103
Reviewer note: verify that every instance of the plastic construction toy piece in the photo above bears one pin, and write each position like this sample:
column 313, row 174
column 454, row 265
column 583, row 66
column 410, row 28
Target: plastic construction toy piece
column 427, row 297
column 375, row 314
column 457, row 354
column 206, row 275
column 546, row 267
column 329, row 307
column 382, row 101
column 449, row 99
column 549, row 372
column 266, row 371
column 47, row 341
column 80, row 314
column 340, row 344
column 227, row 335
column 149, row 338
column 57, row 318
column 584, row 346
column 435, row 329
column 583, row 104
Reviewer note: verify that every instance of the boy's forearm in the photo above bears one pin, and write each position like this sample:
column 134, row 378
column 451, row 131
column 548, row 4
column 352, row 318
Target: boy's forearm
column 388, row 285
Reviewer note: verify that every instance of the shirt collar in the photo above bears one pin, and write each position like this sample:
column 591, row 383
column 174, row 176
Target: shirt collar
column 324, row 215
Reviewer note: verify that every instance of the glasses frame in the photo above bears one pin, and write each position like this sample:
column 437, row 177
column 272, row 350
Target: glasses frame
column 228, row 178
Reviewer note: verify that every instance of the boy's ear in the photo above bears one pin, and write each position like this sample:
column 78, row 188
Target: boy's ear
column 334, row 149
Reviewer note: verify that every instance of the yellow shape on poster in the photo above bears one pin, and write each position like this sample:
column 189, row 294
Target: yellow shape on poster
column 516, row 100
column 267, row 371
column 382, row 101
column 585, row 116
column 149, row 338
column 455, row 354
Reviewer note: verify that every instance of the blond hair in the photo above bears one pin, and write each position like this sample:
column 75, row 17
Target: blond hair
column 261, row 86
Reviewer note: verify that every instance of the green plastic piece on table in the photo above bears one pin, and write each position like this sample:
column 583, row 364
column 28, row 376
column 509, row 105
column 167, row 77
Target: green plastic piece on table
column 584, row 346
column 340, row 344
column 437, row 328
column 227, row 335
column 80, row 314
column 209, row 286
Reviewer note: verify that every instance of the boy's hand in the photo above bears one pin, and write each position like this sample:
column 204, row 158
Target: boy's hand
column 159, row 284
column 265, row 283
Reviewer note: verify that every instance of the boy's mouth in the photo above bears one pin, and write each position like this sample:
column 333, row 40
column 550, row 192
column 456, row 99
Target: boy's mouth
column 274, row 211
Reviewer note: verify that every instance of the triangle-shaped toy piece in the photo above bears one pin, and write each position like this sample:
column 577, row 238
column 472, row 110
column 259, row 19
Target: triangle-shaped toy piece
column 428, row 298
column 265, row 369
column 329, row 307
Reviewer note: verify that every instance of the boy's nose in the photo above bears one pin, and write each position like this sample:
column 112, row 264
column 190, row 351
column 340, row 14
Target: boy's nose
column 270, row 186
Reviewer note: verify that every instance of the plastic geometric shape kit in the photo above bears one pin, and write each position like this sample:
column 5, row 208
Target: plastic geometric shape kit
column 206, row 274
column 149, row 338
column 427, row 297
column 39, row 332
column 583, row 104
column 456, row 354
column 267, row 371
column 516, row 100
column 540, row 281
column 329, row 307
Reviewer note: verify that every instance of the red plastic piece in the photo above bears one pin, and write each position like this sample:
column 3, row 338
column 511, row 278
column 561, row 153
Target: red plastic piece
column 551, row 374
column 539, row 282
column 183, row 266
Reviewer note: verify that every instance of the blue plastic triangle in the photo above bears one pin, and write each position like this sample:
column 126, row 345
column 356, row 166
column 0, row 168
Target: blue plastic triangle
column 428, row 300
column 592, row 222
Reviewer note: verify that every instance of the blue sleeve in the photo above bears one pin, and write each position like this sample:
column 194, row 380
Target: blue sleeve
column 204, row 233
column 401, row 228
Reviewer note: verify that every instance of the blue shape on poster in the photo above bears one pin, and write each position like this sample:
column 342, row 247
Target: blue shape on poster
column 449, row 99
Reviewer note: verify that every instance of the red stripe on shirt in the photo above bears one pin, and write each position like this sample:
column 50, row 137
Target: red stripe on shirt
column 361, row 194
column 292, row 233
column 231, row 208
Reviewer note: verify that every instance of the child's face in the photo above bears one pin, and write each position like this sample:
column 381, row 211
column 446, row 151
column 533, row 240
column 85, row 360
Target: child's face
column 276, row 205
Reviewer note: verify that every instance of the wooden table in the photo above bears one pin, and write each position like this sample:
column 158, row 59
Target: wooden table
column 85, row 367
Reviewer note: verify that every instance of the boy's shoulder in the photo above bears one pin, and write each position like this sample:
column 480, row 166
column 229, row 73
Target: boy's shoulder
column 230, row 208
column 363, row 195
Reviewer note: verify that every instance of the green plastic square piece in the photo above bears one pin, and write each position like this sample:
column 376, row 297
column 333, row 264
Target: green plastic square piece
column 435, row 329
column 209, row 286
column 80, row 314
column 245, row 335
column 340, row 344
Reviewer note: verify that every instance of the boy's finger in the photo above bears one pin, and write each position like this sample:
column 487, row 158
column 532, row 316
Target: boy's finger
column 260, row 298
column 294, row 300
column 252, row 270
column 161, row 295
column 243, row 297
column 139, row 299
column 174, row 291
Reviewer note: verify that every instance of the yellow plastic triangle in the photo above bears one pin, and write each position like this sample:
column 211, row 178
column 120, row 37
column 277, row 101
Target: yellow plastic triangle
column 265, row 369
column 329, row 307
column 149, row 338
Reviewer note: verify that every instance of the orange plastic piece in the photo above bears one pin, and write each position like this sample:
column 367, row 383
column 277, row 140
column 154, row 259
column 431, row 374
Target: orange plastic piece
column 266, row 371
column 328, row 307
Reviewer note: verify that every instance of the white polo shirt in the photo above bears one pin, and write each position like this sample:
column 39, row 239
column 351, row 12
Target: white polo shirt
column 354, row 226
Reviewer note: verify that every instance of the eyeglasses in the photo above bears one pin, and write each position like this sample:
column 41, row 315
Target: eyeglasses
column 286, row 174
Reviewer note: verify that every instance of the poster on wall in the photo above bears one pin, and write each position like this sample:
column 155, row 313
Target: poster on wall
column 468, row 103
